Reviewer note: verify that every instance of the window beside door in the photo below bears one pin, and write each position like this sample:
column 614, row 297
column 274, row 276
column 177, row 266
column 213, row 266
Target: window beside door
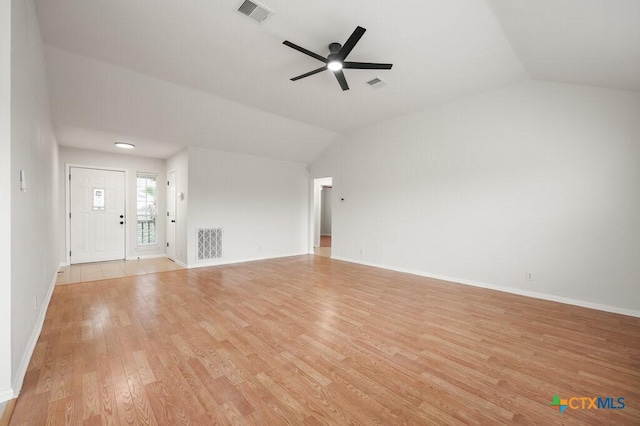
column 147, row 209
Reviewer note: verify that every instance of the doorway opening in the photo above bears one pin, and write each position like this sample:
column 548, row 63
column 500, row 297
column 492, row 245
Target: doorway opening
column 322, row 213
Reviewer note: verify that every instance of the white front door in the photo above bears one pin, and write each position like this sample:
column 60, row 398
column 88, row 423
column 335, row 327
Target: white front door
column 171, row 215
column 97, row 215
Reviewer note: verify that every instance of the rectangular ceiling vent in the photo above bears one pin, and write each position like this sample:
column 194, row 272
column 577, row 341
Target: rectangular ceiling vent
column 255, row 11
column 376, row 83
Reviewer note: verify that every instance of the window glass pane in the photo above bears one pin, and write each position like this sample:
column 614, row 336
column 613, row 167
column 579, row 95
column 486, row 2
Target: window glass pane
column 142, row 208
column 146, row 209
column 98, row 199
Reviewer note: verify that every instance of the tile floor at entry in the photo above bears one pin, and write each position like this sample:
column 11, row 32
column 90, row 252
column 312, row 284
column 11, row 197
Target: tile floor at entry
column 325, row 247
column 115, row 269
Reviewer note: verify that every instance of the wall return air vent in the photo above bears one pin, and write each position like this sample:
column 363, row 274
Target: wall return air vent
column 209, row 244
column 255, row 11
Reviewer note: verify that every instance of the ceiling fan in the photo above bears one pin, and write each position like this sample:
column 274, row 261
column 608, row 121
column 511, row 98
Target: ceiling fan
column 335, row 61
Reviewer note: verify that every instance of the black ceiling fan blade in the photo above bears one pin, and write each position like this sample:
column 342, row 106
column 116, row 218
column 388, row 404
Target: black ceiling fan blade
column 305, row 51
column 366, row 66
column 351, row 43
column 309, row 73
column 343, row 81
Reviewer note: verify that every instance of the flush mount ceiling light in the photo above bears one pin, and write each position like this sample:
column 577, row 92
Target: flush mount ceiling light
column 125, row 145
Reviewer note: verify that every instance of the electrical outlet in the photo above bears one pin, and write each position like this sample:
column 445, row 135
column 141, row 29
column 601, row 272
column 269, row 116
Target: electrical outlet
column 361, row 251
column 529, row 276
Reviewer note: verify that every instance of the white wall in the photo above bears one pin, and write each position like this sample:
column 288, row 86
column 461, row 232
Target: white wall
column 132, row 164
column 325, row 222
column 180, row 164
column 5, row 207
column 34, row 219
column 261, row 204
column 536, row 177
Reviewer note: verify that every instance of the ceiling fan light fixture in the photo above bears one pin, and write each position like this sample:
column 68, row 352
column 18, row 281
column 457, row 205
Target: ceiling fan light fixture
column 335, row 61
column 334, row 65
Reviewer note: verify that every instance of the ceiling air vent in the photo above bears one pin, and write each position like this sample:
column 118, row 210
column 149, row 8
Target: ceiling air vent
column 376, row 83
column 255, row 11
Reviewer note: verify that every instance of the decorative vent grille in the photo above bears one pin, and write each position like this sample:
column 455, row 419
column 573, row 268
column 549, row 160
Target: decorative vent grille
column 255, row 11
column 376, row 83
column 209, row 243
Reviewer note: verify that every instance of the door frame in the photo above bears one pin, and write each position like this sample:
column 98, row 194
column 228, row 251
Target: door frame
column 315, row 203
column 67, row 204
column 175, row 214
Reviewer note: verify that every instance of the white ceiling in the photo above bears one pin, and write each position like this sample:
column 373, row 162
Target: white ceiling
column 199, row 73
column 591, row 42
column 93, row 101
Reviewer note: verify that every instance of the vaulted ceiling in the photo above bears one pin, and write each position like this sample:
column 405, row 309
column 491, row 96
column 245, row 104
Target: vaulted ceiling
column 166, row 74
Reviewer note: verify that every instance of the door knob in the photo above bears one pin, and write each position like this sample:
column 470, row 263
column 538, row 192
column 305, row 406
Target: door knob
column 121, row 216
column 121, row 223
column 173, row 221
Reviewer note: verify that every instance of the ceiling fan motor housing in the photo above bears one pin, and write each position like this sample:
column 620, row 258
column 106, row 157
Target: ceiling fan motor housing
column 334, row 47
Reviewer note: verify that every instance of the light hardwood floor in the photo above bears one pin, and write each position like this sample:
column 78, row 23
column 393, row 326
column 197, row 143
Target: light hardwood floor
column 310, row 340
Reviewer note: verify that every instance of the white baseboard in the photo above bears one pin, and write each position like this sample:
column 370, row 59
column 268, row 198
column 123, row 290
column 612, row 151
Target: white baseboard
column 31, row 345
column 512, row 290
column 249, row 259
column 6, row 395
column 183, row 265
column 63, row 264
column 146, row 256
